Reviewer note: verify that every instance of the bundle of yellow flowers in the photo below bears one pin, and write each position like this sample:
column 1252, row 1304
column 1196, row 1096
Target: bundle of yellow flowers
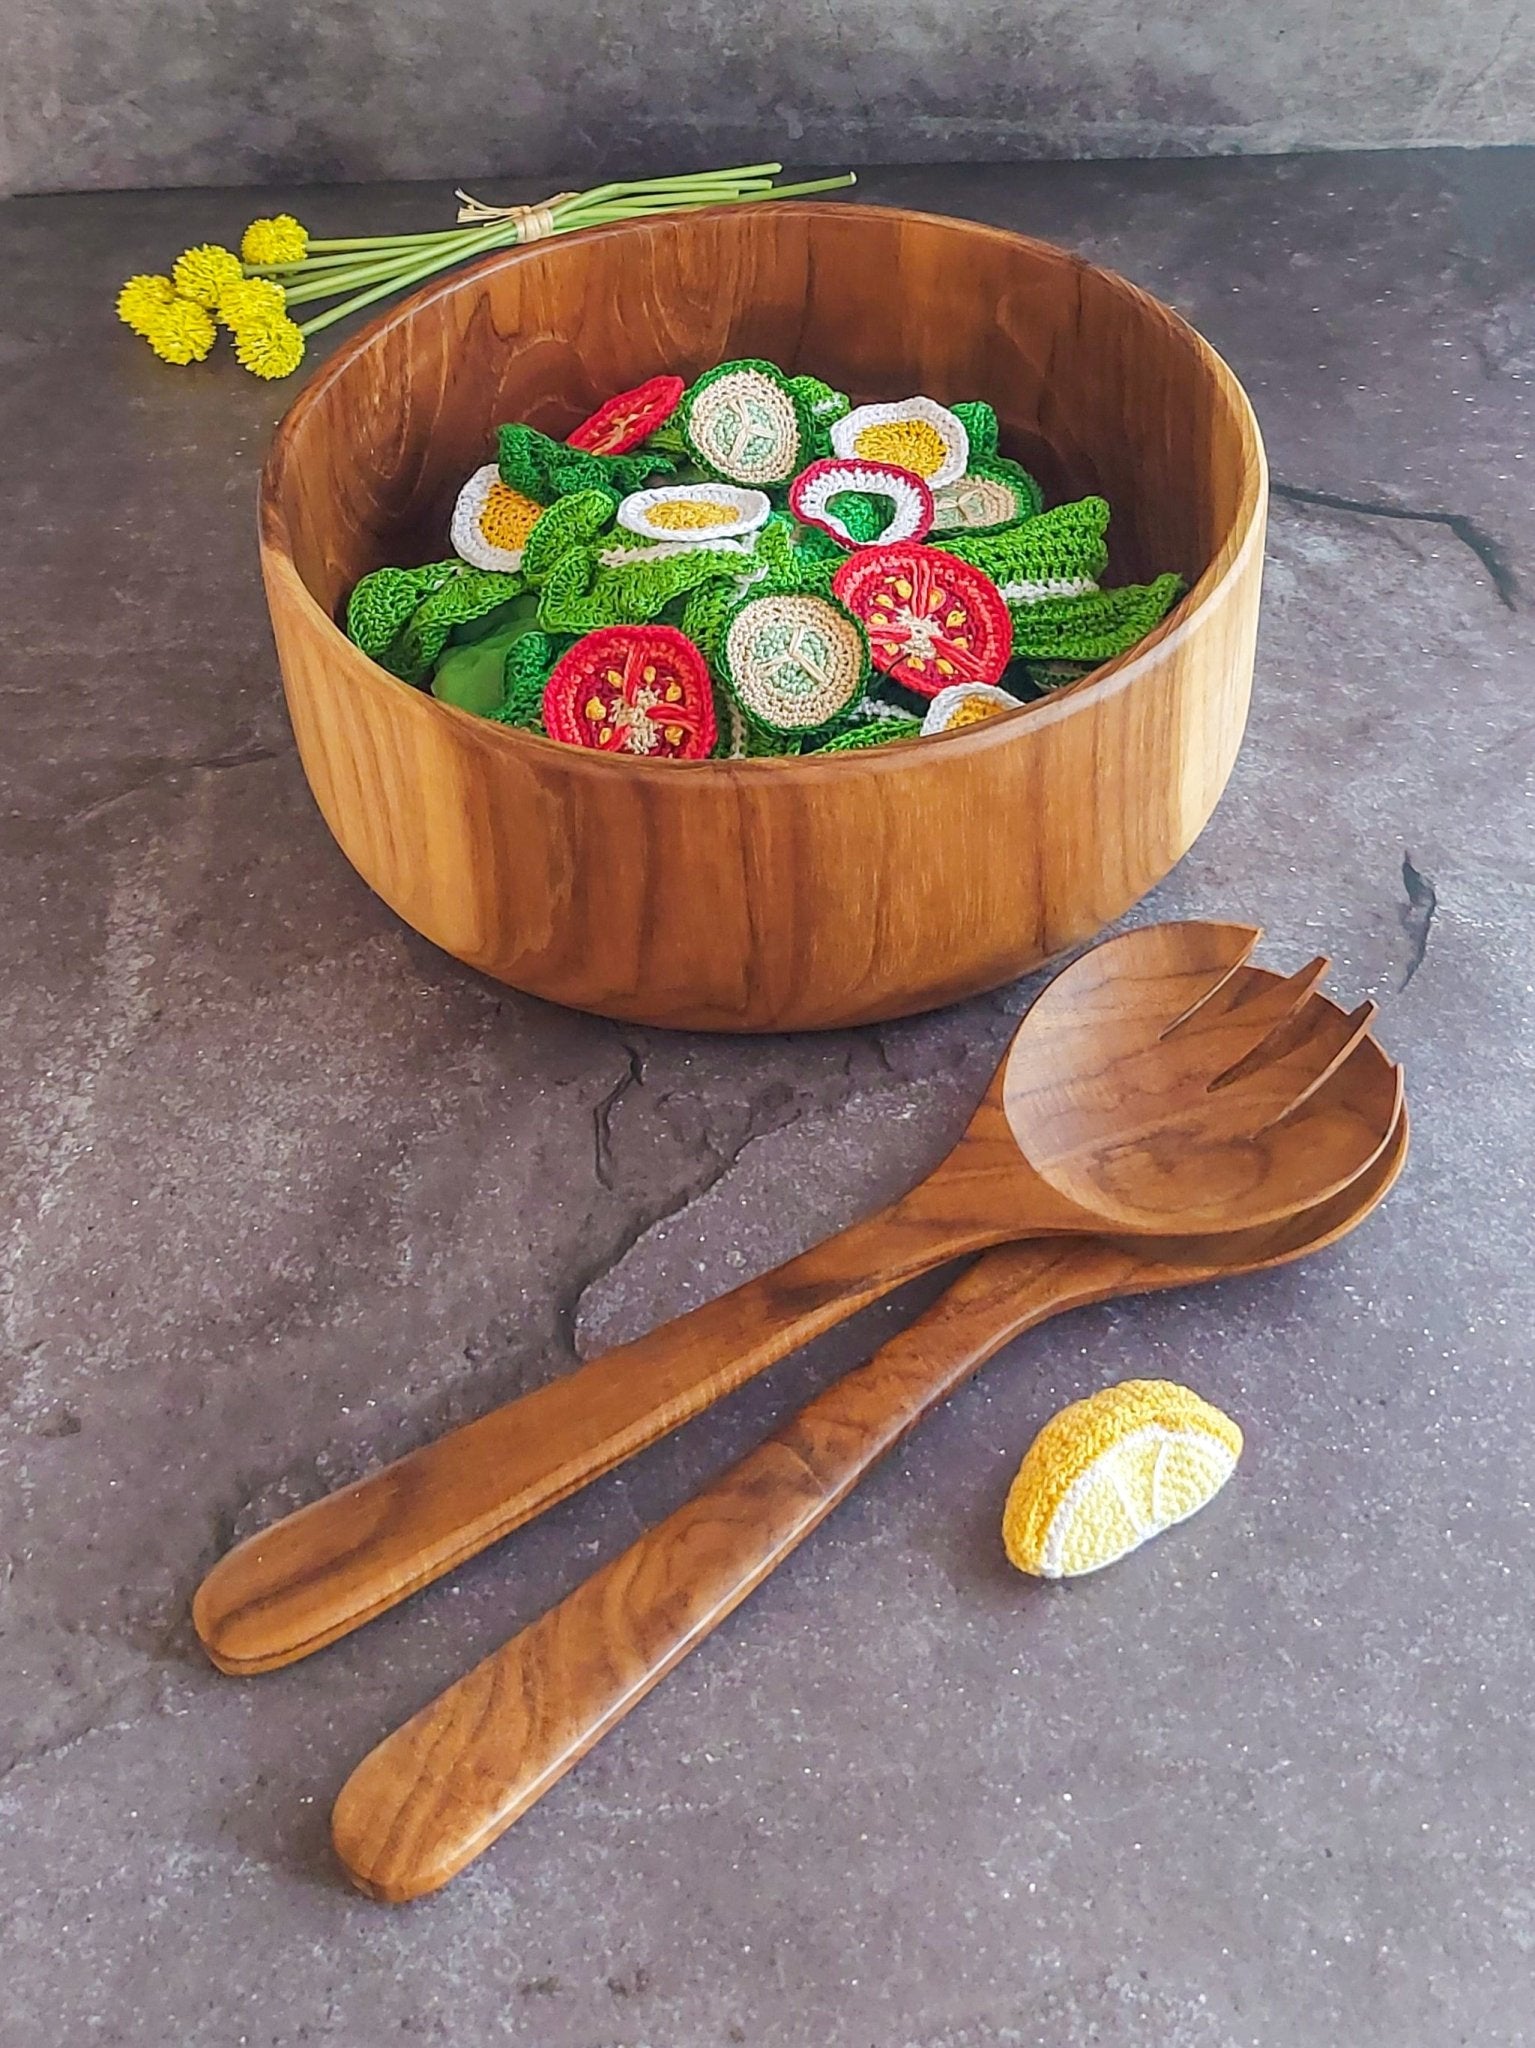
column 280, row 265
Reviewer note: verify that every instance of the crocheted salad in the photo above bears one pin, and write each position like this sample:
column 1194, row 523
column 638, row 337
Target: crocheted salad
column 753, row 565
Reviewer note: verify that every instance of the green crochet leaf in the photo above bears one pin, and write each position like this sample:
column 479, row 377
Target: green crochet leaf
column 864, row 515
column 579, row 594
column 545, row 469
column 876, row 732
column 382, row 602
column 980, row 425
column 823, row 407
column 572, row 522
column 529, row 663
column 1095, row 627
column 468, row 596
column 1064, row 544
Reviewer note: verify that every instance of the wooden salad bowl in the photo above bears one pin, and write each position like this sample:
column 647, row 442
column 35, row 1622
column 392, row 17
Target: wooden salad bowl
column 773, row 895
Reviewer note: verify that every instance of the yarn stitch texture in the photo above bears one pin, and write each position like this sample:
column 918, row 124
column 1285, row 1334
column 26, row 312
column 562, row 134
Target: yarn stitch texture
column 793, row 662
column 713, row 511
column 468, row 597
column 1096, row 627
column 1106, row 1473
column 965, row 704
column 630, row 418
column 492, row 522
column 992, row 493
column 540, row 468
column 913, row 433
column 814, row 495
column 931, row 620
column 633, row 690
column 385, row 598
column 745, row 423
column 1067, row 541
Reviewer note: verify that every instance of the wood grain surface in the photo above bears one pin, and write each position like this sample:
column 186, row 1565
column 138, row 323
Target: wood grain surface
column 1168, row 1031
column 443, row 1787
column 773, row 895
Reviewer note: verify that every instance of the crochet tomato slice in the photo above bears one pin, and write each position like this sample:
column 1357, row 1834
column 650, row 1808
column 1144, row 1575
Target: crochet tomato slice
column 630, row 418
column 932, row 620
column 633, row 690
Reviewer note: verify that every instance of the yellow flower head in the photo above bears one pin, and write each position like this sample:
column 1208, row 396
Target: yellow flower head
column 270, row 348
column 141, row 298
column 181, row 332
column 205, row 272
column 255, row 301
column 279, row 239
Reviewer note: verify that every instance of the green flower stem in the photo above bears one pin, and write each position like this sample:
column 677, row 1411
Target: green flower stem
column 401, row 280
column 330, row 285
column 398, row 267
column 327, row 276
column 396, row 271
column 354, row 259
column 330, row 244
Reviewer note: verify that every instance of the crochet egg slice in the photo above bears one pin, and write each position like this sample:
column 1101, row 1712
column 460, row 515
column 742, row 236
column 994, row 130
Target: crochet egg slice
column 813, row 491
column 491, row 521
column 630, row 418
column 1109, row 1472
column 913, row 433
column 967, row 704
column 633, row 690
column 932, row 620
column 694, row 512
column 743, row 422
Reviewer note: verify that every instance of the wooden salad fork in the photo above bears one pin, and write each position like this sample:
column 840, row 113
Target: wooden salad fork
column 438, row 1791
column 1155, row 1087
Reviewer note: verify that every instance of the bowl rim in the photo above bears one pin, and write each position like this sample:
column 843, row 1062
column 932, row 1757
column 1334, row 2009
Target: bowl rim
column 1112, row 677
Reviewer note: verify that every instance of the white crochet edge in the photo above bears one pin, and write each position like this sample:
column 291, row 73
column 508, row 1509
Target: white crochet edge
column 913, row 501
column 1025, row 592
column 871, row 708
column 661, row 551
column 751, row 509
column 1149, row 1432
column 947, row 702
column 956, row 438
column 467, row 539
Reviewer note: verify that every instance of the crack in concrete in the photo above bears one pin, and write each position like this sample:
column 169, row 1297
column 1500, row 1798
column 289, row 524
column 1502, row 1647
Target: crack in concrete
column 1417, row 915
column 1465, row 530
column 602, row 1115
column 211, row 764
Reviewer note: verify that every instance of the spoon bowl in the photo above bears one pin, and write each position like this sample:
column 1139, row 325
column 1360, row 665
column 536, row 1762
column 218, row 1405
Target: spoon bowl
column 1158, row 1085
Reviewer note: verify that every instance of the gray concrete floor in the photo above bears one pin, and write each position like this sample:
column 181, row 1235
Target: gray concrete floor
column 292, row 1191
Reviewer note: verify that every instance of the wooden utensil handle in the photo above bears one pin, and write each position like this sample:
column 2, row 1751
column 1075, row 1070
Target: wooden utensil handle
column 443, row 1787
column 337, row 1563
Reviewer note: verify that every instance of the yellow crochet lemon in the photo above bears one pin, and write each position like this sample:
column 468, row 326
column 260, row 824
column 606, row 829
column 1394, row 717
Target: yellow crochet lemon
column 1108, row 1472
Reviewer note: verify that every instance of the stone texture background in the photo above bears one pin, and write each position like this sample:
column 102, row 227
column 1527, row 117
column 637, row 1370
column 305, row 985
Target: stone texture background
column 288, row 1192
column 196, row 92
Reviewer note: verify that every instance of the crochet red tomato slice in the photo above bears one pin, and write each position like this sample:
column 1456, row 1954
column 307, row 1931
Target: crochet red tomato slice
column 932, row 620
column 633, row 690
column 630, row 418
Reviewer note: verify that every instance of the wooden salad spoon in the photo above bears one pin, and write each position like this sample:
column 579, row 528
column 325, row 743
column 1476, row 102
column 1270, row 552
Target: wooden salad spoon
column 1154, row 1088
column 438, row 1791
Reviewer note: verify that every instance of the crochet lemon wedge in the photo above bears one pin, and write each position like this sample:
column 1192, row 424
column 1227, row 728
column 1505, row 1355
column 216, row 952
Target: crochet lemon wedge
column 1110, row 1471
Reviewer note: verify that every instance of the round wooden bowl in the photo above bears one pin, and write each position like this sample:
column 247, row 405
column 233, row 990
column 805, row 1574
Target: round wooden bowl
column 773, row 895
